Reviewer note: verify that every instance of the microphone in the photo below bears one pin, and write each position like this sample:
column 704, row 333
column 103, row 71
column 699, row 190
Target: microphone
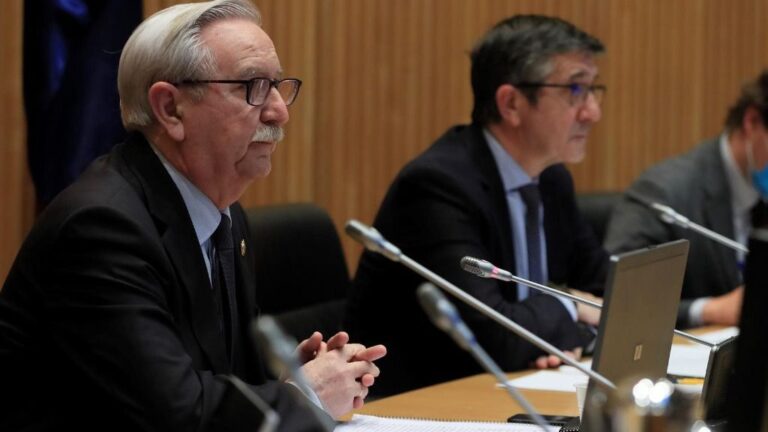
column 379, row 244
column 372, row 239
column 445, row 316
column 670, row 216
column 229, row 416
column 485, row 269
column 281, row 357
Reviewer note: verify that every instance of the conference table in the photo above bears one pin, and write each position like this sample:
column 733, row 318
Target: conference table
column 478, row 398
column 475, row 398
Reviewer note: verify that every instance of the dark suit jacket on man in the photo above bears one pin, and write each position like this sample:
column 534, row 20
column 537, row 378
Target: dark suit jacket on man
column 107, row 318
column 696, row 186
column 448, row 203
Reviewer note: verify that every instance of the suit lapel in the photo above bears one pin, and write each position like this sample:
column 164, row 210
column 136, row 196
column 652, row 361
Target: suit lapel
column 244, row 261
column 180, row 241
column 494, row 188
column 717, row 209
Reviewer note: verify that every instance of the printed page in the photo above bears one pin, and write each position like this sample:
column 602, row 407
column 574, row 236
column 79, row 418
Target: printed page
column 381, row 424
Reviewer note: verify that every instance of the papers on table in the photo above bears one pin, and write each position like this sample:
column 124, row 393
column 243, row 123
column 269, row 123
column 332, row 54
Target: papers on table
column 684, row 360
column 562, row 379
column 691, row 360
column 718, row 336
column 375, row 424
column 550, row 380
column 688, row 361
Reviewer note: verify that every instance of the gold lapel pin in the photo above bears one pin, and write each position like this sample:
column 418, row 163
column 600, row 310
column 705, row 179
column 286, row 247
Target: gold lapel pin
column 242, row 247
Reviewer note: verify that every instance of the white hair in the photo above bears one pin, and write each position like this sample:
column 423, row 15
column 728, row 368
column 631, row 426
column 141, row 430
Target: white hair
column 167, row 47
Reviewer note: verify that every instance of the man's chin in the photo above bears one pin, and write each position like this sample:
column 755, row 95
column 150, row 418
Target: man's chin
column 260, row 167
column 578, row 151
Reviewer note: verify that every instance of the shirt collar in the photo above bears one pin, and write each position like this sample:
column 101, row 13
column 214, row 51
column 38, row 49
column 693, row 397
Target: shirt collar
column 204, row 214
column 512, row 174
column 743, row 194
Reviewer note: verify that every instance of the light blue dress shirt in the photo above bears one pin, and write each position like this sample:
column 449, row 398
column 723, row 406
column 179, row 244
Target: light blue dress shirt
column 513, row 177
column 206, row 217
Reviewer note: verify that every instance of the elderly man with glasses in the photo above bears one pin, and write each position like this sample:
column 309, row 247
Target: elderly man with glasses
column 497, row 190
column 129, row 304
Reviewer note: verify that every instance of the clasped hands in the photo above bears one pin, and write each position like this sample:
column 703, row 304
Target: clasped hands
column 339, row 372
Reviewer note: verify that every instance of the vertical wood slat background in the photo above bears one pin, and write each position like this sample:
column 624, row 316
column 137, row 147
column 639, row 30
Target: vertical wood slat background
column 384, row 78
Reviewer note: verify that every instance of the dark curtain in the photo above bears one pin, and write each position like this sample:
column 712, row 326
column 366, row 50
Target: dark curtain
column 71, row 53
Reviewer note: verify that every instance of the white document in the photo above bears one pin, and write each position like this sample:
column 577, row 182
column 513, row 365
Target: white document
column 718, row 336
column 376, row 424
column 563, row 381
column 688, row 361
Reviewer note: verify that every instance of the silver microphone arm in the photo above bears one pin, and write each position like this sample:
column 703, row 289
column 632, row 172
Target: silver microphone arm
column 281, row 356
column 375, row 242
column 485, row 269
column 670, row 216
column 445, row 316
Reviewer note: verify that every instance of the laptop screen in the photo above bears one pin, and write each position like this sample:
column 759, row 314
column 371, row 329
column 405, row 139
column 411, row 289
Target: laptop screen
column 639, row 313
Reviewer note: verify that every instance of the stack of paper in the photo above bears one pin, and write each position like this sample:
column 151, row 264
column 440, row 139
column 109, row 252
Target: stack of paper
column 376, row 424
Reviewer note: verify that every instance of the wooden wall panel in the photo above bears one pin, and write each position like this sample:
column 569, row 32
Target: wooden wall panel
column 384, row 78
column 15, row 187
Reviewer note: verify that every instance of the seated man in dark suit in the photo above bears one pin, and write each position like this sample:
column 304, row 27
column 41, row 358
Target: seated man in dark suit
column 131, row 299
column 718, row 184
column 495, row 190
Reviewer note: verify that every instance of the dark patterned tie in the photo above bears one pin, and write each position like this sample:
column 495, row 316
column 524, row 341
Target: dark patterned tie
column 223, row 269
column 532, row 200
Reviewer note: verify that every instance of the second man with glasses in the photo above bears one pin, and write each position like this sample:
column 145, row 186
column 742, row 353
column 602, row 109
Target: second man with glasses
column 495, row 190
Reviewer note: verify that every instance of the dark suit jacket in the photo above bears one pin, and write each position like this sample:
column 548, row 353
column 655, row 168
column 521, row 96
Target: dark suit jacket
column 695, row 185
column 107, row 318
column 448, row 203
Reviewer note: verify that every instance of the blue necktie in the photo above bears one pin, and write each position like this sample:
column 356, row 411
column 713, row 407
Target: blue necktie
column 223, row 272
column 532, row 200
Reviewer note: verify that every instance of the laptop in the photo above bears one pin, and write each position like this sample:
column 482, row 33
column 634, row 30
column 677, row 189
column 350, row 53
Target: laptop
column 719, row 372
column 638, row 317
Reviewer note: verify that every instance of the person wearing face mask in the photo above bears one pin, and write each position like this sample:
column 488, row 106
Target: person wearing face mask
column 721, row 184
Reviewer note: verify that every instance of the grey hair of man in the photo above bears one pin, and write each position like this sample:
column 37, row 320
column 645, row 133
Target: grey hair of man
column 167, row 47
column 520, row 49
column 753, row 94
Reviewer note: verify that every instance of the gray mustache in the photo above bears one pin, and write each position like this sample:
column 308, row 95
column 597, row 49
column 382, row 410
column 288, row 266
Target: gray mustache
column 269, row 134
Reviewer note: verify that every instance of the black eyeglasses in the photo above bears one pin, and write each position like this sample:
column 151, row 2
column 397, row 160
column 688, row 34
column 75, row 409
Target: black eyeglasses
column 578, row 92
column 257, row 89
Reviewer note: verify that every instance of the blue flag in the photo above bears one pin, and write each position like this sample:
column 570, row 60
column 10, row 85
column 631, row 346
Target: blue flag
column 71, row 53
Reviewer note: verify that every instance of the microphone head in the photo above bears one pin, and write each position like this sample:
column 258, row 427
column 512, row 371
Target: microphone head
column 372, row 239
column 639, row 198
column 361, row 233
column 434, row 304
column 477, row 267
column 280, row 347
column 666, row 213
column 444, row 314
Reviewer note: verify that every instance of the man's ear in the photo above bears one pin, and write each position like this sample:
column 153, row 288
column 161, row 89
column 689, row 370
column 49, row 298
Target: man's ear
column 164, row 99
column 751, row 122
column 508, row 102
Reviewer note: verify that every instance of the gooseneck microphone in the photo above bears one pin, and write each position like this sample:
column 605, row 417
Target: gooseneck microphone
column 375, row 242
column 485, row 269
column 281, row 357
column 372, row 239
column 445, row 316
column 670, row 216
